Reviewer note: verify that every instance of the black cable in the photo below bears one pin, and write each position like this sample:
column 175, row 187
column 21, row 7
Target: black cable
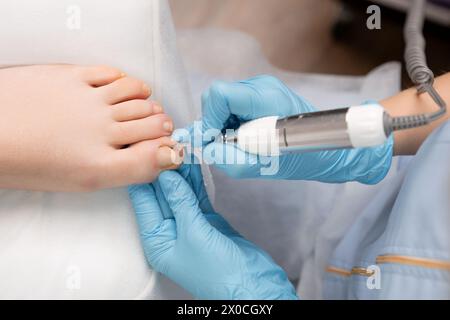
column 418, row 70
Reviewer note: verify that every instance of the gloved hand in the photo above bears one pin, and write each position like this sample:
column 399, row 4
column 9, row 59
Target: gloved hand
column 197, row 248
column 228, row 104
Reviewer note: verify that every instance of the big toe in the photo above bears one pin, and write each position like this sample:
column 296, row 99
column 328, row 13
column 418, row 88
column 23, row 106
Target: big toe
column 144, row 161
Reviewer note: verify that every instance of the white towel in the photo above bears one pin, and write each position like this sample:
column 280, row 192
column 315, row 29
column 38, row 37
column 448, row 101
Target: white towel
column 84, row 246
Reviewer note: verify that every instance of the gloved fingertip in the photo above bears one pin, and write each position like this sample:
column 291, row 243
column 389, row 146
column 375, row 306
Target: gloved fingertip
column 170, row 182
column 136, row 189
column 167, row 176
column 219, row 85
column 132, row 188
column 143, row 198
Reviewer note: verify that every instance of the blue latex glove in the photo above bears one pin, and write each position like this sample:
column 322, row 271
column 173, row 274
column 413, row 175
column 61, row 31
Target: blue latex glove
column 228, row 104
column 197, row 248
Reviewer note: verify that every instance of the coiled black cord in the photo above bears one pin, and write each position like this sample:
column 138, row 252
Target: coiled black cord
column 420, row 74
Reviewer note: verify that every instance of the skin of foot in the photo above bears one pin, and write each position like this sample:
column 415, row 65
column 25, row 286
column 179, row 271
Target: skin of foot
column 77, row 129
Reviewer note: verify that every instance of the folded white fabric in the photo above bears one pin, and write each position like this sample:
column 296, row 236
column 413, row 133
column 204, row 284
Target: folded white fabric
column 84, row 246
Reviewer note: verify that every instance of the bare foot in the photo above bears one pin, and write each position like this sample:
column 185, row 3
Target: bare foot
column 72, row 128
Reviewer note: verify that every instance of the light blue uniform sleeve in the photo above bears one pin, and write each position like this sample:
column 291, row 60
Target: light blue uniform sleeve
column 408, row 239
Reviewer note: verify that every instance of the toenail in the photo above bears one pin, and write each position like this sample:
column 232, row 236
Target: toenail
column 167, row 158
column 178, row 148
column 146, row 88
column 181, row 152
column 157, row 108
column 168, row 126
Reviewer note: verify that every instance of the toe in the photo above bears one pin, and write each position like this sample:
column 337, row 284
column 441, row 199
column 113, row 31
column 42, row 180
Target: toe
column 98, row 76
column 130, row 132
column 125, row 89
column 144, row 161
column 132, row 110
